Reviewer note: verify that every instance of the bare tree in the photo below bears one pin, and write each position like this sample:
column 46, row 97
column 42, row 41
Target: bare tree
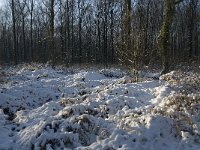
column 78, row 31
column 14, row 31
column 51, row 21
column 31, row 28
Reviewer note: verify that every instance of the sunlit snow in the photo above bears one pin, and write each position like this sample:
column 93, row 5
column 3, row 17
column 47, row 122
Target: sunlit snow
column 45, row 108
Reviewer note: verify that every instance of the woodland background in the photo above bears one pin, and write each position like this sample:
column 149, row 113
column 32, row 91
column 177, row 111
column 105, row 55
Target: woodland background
column 97, row 32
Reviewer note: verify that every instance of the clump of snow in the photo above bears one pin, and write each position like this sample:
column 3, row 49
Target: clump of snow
column 46, row 108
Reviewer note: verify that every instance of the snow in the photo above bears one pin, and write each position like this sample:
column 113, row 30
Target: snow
column 45, row 108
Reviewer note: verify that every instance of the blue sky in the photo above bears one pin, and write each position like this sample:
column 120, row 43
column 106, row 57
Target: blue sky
column 2, row 2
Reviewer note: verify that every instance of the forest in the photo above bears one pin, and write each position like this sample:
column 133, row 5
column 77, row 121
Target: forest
column 99, row 32
column 99, row 74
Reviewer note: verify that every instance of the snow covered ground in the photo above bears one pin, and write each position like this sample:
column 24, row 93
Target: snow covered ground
column 45, row 108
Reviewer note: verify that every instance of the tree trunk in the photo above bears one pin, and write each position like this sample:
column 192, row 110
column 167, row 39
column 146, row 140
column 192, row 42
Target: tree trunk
column 79, row 32
column 52, row 52
column 24, row 38
column 169, row 8
column 68, row 34
column 31, row 32
column 14, row 32
column 112, row 35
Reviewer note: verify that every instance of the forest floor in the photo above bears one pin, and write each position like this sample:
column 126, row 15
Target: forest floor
column 45, row 108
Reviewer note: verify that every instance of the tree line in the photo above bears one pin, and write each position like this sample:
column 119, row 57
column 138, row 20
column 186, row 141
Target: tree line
column 129, row 32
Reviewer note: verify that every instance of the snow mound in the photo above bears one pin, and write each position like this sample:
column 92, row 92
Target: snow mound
column 45, row 108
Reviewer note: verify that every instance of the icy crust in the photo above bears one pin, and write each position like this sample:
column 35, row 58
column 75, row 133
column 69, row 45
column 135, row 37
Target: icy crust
column 45, row 108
